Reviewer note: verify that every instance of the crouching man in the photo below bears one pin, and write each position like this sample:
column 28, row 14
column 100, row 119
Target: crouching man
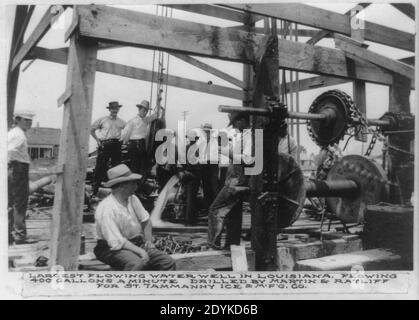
column 124, row 229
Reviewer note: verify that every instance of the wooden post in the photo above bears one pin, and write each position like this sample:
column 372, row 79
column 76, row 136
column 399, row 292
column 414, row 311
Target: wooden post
column 264, row 221
column 74, row 144
column 358, row 86
column 13, row 76
column 248, row 74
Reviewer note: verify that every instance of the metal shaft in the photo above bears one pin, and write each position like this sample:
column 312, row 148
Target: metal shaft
column 297, row 115
column 338, row 188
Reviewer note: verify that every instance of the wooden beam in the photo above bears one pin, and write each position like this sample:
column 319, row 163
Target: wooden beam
column 40, row 30
column 323, row 33
column 407, row 8
column 209, row 69
column 359, row 86
column 329, row 20
column 60, row 56
column 203, row 40
column 74, row 147
column 248, row 72
column 21, row 13
column 307, row 33
column 121, row 26
column 23, row 28
column 211, row 10
column 316, row 82
column 403, row 69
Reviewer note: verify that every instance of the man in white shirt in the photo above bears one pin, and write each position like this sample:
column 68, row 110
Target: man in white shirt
column 226, row 209
column 107, row 133
column 134, row 134
column 18, row 176
column 124, row 229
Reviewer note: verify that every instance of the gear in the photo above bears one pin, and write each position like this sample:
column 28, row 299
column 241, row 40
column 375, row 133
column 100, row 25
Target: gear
column 334, row 102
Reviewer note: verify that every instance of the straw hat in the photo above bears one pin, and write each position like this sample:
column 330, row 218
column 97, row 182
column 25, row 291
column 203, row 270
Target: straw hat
column 144, row 104
column 120, row 173
column 24, row 114
column 206, row 126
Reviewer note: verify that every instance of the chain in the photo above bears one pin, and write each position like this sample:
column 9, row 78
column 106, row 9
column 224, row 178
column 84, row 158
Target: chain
column 376, row 135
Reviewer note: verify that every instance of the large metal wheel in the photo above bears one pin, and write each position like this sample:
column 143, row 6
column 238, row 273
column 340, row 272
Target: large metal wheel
column 336, row 105
column 372, row 187
column 291, row 191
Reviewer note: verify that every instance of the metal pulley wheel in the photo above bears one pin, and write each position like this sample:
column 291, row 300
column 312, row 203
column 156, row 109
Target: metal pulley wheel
column 336, row 105
column 291, row 193
column 372, row 187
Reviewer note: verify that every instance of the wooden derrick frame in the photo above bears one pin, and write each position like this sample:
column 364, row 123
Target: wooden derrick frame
column 95, row 27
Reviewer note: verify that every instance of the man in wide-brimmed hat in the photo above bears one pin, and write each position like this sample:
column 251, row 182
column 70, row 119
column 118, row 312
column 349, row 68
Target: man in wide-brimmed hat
column 107, row 133
column 18, row 176
column 124, row 229
column 135, row 134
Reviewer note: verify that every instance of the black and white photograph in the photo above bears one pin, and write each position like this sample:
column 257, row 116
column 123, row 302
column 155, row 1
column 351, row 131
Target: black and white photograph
column 197, row 150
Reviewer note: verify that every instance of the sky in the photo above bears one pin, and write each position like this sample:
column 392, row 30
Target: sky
column 43, row 82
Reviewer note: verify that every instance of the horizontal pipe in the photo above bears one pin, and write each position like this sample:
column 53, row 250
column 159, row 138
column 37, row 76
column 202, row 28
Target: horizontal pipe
column 266, row 112
column 298, row 115
column 38, row 184
column 307, row 116
column 338, row 188
column 373, row 122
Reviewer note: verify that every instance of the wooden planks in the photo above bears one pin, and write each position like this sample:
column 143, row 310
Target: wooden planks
column 393, row 65
column 60, row 56
column 329, row 20
column 329, row 62
column 122, row 26
column 374, row 259
column 74, row 143
column 204, row 40
column 289, row 254
column 211, row 10
column 324, row 33
column 407, row 8
column 209, row 69
column 21, row 14
column 40, row 30
column 217, row 260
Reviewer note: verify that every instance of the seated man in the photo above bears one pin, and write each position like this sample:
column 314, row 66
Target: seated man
column 124, row 229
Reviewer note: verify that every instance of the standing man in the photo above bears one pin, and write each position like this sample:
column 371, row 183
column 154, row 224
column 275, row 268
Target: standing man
column 226, row 209
column 135, row 134
column 18, row 176
column 209, row 169
column 107, row 133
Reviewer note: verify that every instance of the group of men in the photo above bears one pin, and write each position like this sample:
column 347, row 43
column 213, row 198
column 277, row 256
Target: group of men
column 123, row 226
column 110, row 132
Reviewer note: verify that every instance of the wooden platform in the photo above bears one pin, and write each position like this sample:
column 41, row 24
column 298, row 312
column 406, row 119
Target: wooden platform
column 298, row 242
column 369, row 260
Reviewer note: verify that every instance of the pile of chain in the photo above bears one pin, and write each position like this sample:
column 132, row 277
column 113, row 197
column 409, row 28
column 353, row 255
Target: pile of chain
column 170, row 245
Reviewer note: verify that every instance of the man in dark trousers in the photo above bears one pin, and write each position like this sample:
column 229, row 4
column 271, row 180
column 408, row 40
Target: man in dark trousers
column 209, row 168
column 226, row 209
column 107, row 133
column 134, row 135
column 18, row 176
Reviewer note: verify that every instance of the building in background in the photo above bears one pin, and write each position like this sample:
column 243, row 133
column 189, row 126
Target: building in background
column 43, row 143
